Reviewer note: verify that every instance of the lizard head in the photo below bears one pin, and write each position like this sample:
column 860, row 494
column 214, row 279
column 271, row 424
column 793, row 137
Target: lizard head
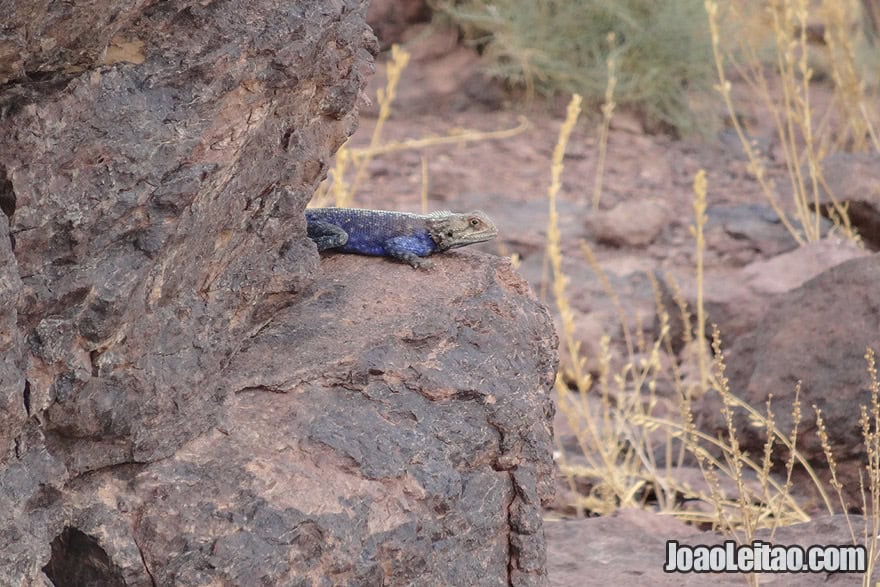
column 451, row 230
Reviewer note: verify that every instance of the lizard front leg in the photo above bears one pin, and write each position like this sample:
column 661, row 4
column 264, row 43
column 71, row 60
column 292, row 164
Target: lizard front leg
column 326, row 235
column 407, row 249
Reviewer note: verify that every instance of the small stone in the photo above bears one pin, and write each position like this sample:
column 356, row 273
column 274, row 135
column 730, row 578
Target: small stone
column 633, row 223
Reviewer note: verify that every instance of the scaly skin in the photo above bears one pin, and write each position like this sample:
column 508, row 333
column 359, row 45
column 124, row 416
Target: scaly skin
column 400, row 235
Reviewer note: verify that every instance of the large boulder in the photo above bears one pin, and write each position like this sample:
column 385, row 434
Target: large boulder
column 817, row 334
column 156, row 282
column 158, row 201
column 391, row 427
column 737, row 299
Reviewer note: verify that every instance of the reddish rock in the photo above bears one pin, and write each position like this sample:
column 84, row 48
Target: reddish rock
column 367, row 438
column 155, row 159
column 632, row 223
column 818, row 334
column 854, row 180
column 190, row 396
column 391, row 18
column 737, row 299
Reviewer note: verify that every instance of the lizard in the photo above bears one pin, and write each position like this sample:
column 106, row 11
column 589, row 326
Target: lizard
column 400, row 235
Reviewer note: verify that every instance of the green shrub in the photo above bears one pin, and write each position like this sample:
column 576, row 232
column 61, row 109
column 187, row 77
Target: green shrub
column 661, row 49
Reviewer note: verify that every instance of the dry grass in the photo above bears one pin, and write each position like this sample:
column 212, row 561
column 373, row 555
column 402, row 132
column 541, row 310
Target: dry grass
column 612, row 413
column 804, row 141
column 612, row 410
column 605, row 126
column 859, row 112
column 351, row 160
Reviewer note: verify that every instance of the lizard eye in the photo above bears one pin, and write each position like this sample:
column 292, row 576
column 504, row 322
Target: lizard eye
column 474, row 222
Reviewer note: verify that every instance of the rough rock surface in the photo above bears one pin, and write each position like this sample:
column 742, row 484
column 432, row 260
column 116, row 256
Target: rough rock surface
column 370, row 439
column 818, row 334
column 155, row 159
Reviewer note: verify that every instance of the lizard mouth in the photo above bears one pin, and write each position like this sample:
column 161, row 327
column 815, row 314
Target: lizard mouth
column 470, row 239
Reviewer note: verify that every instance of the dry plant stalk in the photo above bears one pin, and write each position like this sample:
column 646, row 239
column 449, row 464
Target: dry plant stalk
column 554, row 254
column 684, row 312
column 399, row 61
column 822, row 432
column 710, row 465
column 735, row 455
column 343, row 193
column 607, row 113
column 849, row 86
column 793, row 117
column 615, row 427
column 871, row 435
column 756, row 164
column 620, row 458
column 554, row 250
column 792, row 454
column 767, row 458
column 458, row 137
column 700, row 219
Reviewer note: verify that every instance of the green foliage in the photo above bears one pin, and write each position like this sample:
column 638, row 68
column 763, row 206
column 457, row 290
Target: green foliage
column 661, row 49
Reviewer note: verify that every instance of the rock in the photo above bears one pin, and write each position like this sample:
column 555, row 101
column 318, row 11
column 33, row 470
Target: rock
column 628, row 122
column 852, row 176
column 443, row 76
column 391, row 18
column 736, row 300
column 137, row 281
column 14, row 389
column 188, row 397
column 854, row 179
column 818, row 334
column 602, row 551
column 743, row 233
column 368, row 438
column 786, row 272
column 632, row 223
column 630, row 549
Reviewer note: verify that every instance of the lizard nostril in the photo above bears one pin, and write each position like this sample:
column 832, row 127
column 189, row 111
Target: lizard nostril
column 449, row 234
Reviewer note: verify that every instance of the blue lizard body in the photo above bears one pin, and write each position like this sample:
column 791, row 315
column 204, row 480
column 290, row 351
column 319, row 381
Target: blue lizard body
column 377, row 234
column 400, row 235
